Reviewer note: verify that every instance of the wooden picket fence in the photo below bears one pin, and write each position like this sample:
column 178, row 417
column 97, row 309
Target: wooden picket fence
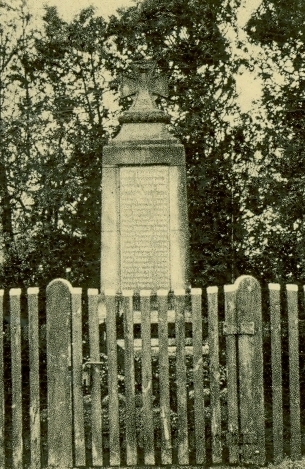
column 152, row 379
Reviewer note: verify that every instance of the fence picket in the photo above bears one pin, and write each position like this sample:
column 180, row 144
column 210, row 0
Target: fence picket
column 17, row 442
column 96, row 405
column 60, row 443
column 183, row 444
column 276, row 364
column 166, row 443
column 231, row 323
column 114, row 429
column 77, row 377
column 2, row 418
column 148, row 418
column 214, row 374
column 196, row 295
column 131, row 441
column 250, row 362
column 294, row 377
column 34, row 376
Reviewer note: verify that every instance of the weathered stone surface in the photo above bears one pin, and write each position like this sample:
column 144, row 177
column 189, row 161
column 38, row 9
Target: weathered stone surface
column 179, row 234
column 144, row 227
column 110, row 254
column 144, row 84
column 144, row 221
column 142, row 153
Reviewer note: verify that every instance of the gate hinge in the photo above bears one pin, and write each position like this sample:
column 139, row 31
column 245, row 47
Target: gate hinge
column 244, row 328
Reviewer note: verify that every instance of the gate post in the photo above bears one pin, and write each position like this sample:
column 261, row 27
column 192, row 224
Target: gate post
column 59, row 374
column 250, row 364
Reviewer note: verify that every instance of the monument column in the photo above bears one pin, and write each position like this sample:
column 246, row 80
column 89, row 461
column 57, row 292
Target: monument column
column 144, row 206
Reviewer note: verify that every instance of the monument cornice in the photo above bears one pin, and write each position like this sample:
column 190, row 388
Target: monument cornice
column 137, row 117
column 144, row 153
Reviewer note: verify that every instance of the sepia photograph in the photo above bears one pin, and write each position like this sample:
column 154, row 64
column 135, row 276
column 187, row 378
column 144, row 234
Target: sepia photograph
column 152, row 234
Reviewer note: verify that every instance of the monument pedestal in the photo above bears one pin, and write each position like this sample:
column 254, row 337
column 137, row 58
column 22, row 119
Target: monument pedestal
column 144, row 205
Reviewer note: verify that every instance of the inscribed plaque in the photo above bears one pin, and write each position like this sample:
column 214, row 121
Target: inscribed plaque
column 144, row 226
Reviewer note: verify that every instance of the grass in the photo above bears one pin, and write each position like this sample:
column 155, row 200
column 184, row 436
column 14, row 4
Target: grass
column 288, row 464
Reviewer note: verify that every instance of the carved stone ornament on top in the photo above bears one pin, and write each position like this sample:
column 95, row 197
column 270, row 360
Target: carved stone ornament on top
column 144, row 84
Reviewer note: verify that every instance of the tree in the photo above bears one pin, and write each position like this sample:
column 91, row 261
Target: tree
column 16, row 99
column 278, row 27
column 65, row 213
column 54, row 126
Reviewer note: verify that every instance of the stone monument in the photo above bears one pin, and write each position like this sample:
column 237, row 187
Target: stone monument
column 144, row 208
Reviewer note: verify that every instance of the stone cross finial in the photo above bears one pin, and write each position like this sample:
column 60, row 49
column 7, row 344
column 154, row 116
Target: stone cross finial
column 144, row 83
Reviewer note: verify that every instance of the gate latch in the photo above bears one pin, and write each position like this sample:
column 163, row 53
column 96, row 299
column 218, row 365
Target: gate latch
column 244, row 328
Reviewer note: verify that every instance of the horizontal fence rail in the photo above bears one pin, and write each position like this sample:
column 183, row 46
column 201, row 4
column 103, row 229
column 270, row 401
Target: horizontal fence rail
column 153, row 378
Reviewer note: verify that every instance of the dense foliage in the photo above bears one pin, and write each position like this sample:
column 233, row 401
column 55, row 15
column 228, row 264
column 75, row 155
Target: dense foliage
column 278, row 27
column 52, row 205
column 58, row 105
